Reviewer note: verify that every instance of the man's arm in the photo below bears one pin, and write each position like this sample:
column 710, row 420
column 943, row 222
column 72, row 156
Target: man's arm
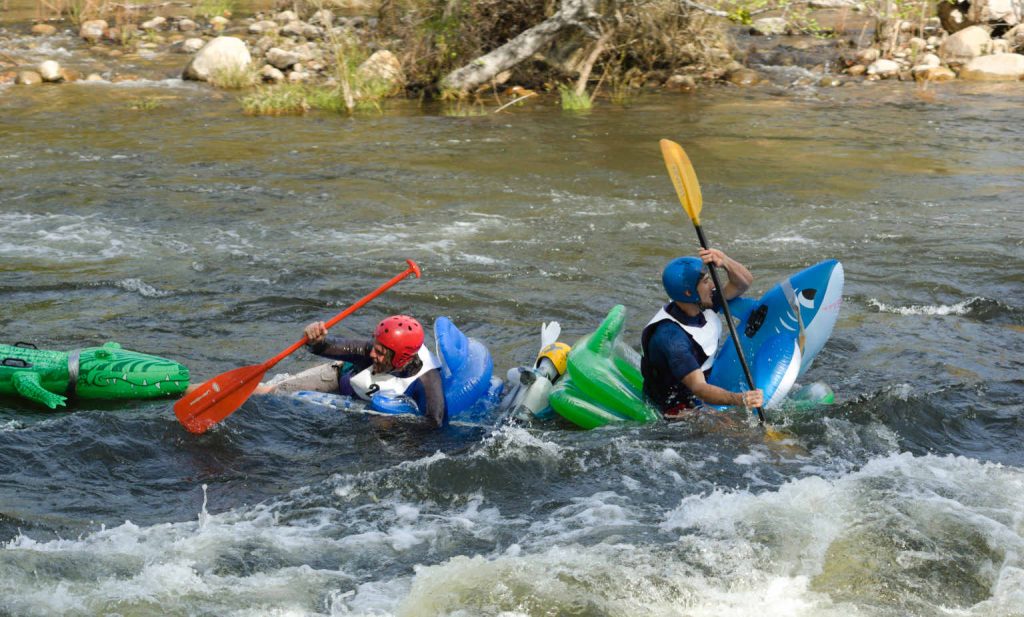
column 740, row 277
column 714, row 395
column 436, row 406
column 348, row 350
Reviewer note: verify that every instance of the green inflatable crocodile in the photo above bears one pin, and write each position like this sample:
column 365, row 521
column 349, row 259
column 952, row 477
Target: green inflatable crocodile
column 107, row 372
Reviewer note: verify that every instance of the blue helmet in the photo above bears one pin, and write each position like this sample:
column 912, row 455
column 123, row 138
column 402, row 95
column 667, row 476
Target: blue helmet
column 680, row 278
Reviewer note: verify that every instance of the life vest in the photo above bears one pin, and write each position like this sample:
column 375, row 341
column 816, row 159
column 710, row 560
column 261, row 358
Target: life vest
column 366, row 383
column 705, row 336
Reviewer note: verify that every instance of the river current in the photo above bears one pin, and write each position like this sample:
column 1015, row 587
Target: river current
column 191, row 231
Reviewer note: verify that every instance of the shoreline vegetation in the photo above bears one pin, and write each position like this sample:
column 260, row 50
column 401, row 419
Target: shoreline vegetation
column 479, row 56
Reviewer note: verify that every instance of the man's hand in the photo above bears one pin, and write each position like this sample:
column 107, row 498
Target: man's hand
column 316, row 332
column 714, row 256
column 751, row 398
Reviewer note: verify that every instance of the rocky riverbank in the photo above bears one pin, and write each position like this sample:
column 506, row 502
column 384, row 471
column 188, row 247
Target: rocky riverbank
column 353, row 55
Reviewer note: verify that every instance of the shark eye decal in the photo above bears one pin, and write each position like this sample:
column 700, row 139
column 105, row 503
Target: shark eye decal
column 806, row 297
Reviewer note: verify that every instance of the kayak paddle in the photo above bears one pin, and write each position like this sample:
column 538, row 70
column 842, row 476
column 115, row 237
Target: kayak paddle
column 219, row 397
column 685, row 180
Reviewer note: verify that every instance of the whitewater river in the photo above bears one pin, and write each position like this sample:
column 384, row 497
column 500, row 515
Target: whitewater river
column 194, row 232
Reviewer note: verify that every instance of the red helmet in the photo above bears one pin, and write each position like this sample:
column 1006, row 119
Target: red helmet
column 403, row 335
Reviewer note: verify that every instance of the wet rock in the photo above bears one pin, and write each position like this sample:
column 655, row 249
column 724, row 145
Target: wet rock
column 997, row 67
column 830, row 81
column 69, row 75
column 998, row 46
column 382, row 66
column 187, row 25
column 189, row 46
column 94, row 77
column 285, row 17
column 92, row 30
column 49, row 71
column 44, row 30
column 281, row 59
column 28, row 78
column 768, row 26
column 744, row 77
column 297, row 29
column 884, row 68
column 157, row 23
column 355, row 6
column 222, row 53
column 1008, row 12
column 857, row 70
column 8, row 77
column 867, row 56
column 122, row 78
column 263, row 27
column 271, row 74
column 934, row 73
column 1015, row 38
column 964, row 46
column 685, row 83
column 323, row 17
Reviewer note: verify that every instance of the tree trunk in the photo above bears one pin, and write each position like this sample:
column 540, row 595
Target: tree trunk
column 483, row 69
column 588, row 64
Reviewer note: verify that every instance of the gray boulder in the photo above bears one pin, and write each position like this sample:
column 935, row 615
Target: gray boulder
column 997, row 67
column 963, row 46
column 224, row 53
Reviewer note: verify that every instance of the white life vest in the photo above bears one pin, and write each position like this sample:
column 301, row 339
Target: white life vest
column 366, row 383
column 706, row 336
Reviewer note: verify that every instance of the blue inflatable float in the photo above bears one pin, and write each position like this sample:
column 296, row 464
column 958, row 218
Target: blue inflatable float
column 802, row 306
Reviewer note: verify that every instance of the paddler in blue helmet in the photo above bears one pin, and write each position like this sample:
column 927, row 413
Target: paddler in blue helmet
column 680, row 342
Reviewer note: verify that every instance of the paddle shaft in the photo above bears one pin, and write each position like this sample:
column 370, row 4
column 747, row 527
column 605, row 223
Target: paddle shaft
column 728, row 320
column 413, row 269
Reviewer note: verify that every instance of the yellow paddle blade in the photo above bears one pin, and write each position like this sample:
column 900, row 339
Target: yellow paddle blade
column 683, row 177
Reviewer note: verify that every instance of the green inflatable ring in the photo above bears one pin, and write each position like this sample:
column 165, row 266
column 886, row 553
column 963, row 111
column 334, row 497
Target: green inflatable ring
column 603, row 384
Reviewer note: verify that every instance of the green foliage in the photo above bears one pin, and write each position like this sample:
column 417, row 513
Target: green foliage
column 213, row 8
column 571, row 101
column 146, row 103
column 280, row 100
column 357, row 90
column 741, row 15
column 235, row 77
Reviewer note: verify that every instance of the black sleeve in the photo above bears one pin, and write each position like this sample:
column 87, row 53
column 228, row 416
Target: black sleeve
column 433, row 389
column 346, row 350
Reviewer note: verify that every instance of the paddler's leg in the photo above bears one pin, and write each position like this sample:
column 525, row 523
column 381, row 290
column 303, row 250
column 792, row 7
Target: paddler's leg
column 322, row 378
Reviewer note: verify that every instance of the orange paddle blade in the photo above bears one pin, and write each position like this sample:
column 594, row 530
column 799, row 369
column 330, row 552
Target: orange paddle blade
column 684, row 178
column 218, row 398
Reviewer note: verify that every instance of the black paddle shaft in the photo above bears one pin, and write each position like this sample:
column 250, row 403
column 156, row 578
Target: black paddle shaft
column 728, row 320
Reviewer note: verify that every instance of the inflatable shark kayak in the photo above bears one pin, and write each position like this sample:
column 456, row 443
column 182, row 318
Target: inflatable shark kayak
column 781, row 333
column 107, row 372
column 470, row 390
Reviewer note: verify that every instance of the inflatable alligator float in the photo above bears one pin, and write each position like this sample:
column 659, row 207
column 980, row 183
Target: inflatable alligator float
column 107, row 372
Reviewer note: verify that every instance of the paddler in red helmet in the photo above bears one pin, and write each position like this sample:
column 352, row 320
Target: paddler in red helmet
column 395, row 362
